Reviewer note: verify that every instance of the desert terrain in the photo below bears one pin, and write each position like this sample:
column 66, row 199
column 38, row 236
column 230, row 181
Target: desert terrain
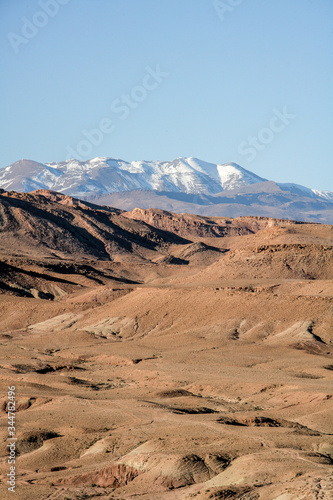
column 163, row 356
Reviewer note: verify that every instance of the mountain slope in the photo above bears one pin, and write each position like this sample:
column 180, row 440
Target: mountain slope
column 181, row 185
column 265, row 199
column 52, row 245
column 55, row 225
column 107, row 175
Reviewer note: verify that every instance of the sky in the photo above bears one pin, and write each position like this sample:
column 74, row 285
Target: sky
column 248, row 81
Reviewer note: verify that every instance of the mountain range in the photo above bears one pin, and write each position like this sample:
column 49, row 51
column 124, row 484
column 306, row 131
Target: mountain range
column 182, row 185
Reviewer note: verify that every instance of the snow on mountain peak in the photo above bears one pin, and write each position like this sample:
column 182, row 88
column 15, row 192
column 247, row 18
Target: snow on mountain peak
column 102, row 175
column 232, row 176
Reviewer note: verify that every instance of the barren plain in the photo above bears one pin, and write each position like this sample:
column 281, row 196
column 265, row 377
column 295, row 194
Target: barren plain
column 159, row 356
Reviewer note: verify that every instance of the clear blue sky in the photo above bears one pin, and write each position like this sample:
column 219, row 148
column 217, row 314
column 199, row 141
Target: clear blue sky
column 227, row 72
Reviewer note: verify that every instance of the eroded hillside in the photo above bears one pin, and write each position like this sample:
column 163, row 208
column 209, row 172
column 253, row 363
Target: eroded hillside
column 164, row 356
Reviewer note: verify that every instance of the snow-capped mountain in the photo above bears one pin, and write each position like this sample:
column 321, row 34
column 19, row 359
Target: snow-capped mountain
column 181, row 185
column 107, row 175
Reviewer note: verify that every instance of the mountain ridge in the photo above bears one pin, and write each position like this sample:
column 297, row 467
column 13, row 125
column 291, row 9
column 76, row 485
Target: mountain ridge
column 181, row 185
column 175, row 175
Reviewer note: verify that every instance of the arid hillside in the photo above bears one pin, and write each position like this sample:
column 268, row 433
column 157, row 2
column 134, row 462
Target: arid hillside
column 164, row 356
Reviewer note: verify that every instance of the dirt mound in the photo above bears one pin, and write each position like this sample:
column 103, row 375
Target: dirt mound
column 170, row 259
column 176, row 393
column 31, row 441
column 116, row 476
column 267, row 422
column 176, row 470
